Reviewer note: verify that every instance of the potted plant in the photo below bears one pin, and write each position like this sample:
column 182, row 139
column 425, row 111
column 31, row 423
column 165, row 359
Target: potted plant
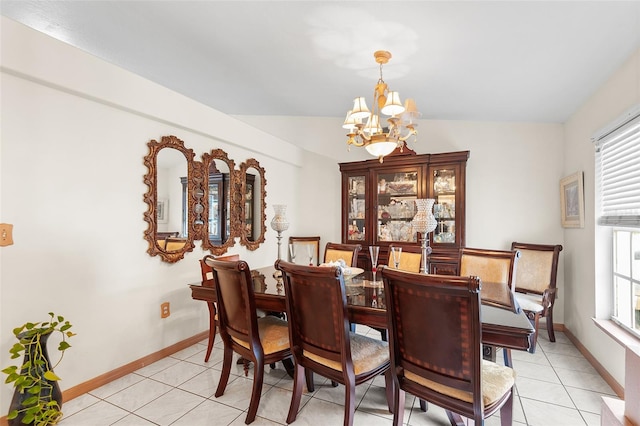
column 37, row 398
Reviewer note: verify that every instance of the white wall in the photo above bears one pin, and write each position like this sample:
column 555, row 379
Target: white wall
column 588, row 294
column 74, row 134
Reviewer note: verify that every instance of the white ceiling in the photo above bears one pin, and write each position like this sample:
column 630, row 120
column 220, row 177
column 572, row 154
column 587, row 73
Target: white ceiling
column 476, row 60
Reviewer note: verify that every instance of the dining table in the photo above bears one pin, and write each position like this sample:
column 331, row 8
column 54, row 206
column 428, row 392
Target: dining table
column 501, row 327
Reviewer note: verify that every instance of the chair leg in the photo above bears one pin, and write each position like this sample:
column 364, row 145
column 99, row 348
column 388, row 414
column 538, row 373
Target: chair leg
column 398, row 405
column 297, row 391
column 455, row 418
column 506, row 352
column 506, row 411
column 258, row 374
column 308, row 374
column 226, row 370
column 549, row 316
column 212, row 330
column 389, row 386
column 383, row 334
column 350, row 403
column 534, row 319
column 423, row 405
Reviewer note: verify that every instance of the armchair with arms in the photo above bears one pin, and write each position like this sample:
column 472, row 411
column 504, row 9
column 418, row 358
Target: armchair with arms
column 536, row 282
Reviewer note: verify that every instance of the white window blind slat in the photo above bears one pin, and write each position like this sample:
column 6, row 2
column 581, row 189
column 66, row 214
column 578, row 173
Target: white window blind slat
column 618, row 174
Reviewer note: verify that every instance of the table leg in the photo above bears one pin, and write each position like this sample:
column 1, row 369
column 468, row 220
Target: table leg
column 212, row 329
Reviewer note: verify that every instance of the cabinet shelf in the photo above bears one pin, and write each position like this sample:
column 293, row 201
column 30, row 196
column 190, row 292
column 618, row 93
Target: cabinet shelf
column 378, row 204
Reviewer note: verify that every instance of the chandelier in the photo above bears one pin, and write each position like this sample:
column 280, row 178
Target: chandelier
column 377, row 140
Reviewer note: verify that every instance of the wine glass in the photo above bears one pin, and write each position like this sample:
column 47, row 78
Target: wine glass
column 396, row 252
column 292, row 253
column 373, row 252
column 310, row 254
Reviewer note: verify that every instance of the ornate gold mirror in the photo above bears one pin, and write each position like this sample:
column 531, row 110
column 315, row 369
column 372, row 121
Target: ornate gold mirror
column 170, row 232
column 252, row 195
column 221, row 177
column 210, row 200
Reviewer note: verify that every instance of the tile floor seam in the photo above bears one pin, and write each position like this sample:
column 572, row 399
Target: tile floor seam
column 584, row 393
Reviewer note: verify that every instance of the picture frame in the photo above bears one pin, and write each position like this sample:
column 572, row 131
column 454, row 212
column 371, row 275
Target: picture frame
column 163, row 210
column 572, row 200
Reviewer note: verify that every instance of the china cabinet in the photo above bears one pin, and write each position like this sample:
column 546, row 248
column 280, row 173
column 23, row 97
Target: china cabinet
column 378, row 204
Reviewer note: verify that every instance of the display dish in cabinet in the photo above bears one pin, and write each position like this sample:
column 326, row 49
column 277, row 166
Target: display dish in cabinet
column 382, row 215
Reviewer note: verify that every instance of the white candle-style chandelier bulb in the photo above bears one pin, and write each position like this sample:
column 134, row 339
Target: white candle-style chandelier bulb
column 401, row 126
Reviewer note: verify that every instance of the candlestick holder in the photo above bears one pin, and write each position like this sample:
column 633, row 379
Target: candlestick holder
column 279, row 223
column 424, row 222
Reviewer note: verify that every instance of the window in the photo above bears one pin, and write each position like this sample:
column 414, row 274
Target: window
column 626, row 278
column 618, row 197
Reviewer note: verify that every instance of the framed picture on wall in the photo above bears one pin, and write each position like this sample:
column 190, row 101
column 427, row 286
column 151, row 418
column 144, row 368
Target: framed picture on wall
column 163, row 210
column 572, row 200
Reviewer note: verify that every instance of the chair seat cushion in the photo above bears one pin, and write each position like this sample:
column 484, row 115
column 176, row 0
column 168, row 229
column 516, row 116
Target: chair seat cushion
column 274, row 335
column 530, row 302
column 496, row 381
column 367, row 354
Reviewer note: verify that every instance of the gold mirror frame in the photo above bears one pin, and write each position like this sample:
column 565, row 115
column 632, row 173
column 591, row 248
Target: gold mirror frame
column 261, row 214
column 197, row 197
column 151, row 198
column 207, row 159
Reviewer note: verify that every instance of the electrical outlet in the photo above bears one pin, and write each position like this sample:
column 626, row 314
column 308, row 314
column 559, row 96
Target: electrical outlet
column 164, row 310
column 6, row 234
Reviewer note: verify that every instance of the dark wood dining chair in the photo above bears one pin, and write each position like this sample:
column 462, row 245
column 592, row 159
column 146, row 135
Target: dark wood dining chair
column 410, row 257
column 301, row 245
column 259, row 340
column 321, row 341
column 207, row 281
column 536, row 282
column 497, row 270
column 347, row 252
column 435, row 344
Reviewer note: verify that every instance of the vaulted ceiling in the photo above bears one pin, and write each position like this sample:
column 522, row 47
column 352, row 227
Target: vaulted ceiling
column 477, row 60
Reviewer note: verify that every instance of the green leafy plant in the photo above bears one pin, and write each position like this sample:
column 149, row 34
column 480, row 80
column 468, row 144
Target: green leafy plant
column 35, row 374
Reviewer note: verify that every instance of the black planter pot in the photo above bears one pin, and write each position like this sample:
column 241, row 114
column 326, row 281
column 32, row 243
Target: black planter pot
column 50, row 389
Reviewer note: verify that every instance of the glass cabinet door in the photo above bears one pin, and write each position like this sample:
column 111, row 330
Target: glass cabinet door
column 444, row 209
column 396, row 193
column 356, row 210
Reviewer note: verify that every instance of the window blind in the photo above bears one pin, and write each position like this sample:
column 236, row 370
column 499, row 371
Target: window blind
column 618, row 172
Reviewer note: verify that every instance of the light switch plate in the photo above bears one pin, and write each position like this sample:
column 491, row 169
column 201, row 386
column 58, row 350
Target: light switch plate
column 6, row 234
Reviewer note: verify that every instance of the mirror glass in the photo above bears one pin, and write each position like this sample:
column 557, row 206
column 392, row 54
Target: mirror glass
column 171, row 215
column 220, row 229
column 169, row 166
column 252, row 204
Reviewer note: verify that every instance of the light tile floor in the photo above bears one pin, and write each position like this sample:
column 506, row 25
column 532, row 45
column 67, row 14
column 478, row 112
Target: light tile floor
column 555, row 386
